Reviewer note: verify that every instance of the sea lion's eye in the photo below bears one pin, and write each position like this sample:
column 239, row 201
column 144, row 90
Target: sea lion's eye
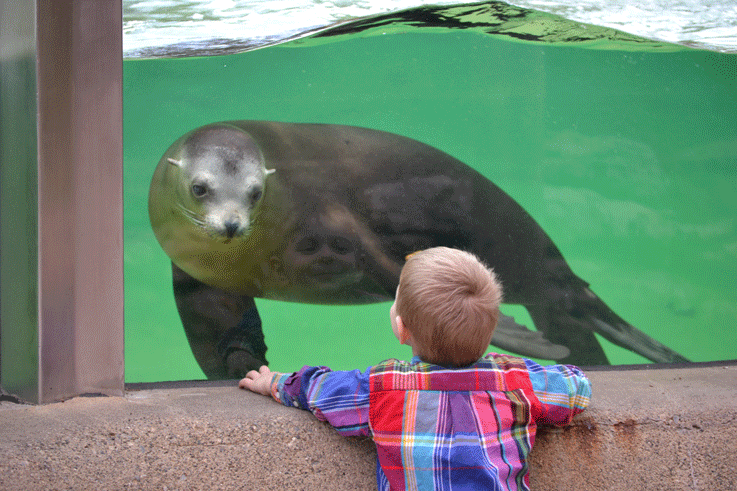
column 199, row 190
column 256, row 195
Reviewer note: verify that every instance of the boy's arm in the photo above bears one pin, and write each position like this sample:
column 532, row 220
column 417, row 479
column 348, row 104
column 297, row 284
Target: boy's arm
column 340, row 398
column 563, row 390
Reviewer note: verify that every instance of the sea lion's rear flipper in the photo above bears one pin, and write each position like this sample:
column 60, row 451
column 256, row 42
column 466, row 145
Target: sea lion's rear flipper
column 561, row 327
column 619, row 332
column 512, row 336
column 223, row 329
column 573, row 323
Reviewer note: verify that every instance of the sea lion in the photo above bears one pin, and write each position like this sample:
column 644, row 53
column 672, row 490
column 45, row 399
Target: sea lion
column 326, row 214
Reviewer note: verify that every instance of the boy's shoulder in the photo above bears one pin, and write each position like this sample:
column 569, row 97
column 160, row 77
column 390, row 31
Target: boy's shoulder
column 490, row 361
column 492, row 372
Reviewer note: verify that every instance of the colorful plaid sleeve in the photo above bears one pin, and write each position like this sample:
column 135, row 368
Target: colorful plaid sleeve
column 340, row 398
column 563, row 390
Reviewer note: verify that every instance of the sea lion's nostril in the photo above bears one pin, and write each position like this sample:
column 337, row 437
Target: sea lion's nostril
column 230, row 229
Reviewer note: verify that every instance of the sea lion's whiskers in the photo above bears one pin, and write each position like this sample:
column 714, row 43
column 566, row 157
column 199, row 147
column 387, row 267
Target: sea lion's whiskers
column 194, row 217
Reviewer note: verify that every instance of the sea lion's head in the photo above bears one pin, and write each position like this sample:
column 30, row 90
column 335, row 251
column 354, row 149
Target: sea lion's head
column 212, row 180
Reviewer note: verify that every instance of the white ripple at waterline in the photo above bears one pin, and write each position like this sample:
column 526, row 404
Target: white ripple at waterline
column 150, row 26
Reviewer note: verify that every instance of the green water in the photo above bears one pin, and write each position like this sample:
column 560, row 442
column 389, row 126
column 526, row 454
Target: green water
column 628, row 160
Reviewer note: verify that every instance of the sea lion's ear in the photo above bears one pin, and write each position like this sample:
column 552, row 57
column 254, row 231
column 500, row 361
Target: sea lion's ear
column 178, row 163
column 269, row 171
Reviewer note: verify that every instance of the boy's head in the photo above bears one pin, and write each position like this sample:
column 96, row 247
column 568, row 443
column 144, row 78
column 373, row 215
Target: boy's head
column 448, row 302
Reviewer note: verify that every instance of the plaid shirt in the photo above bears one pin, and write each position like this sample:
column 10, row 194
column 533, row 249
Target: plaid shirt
column 466, row 428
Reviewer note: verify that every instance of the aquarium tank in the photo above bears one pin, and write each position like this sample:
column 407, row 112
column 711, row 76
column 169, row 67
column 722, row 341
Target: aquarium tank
column 614, row 127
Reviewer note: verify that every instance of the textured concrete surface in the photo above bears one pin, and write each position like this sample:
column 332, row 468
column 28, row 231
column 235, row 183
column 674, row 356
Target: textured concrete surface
column 664, row 429
column 646, row 429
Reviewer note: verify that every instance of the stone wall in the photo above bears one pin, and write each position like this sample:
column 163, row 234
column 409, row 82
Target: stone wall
column 646, row 429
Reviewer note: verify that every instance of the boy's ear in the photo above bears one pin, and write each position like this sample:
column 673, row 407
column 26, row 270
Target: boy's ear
column 402, row 331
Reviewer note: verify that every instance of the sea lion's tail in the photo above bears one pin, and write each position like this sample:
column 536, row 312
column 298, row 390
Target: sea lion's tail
column 573, row 320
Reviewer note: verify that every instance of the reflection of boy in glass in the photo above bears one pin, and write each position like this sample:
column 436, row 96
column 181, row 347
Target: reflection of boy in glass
column 451, row 418
column 324, row 258
column 319, row 256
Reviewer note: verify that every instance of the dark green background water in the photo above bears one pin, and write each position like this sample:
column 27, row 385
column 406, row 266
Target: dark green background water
column 628, row 160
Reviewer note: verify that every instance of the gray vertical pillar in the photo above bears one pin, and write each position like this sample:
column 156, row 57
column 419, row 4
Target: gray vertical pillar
column 61, row 203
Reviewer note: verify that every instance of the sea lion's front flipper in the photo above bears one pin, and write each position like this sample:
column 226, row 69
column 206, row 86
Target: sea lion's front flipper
column 514, row 337
column 223, row 329
column 243, row 347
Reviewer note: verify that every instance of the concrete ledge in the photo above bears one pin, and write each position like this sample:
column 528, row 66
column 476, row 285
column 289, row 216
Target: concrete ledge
column 647, row 429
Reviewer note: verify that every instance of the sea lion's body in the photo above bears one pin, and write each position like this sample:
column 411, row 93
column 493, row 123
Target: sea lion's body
column 338, row 210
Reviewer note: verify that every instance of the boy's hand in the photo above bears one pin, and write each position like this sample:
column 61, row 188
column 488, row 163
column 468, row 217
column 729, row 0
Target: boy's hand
column 259, row 382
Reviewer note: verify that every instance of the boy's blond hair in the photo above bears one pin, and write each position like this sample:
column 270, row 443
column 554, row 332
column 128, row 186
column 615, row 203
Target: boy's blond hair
column 449, row 301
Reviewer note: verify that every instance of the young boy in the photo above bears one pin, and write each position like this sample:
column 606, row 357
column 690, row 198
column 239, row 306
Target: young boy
column 451, row 418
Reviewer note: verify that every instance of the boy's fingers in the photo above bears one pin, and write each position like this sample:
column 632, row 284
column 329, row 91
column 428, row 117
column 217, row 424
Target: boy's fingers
column 253, row 378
